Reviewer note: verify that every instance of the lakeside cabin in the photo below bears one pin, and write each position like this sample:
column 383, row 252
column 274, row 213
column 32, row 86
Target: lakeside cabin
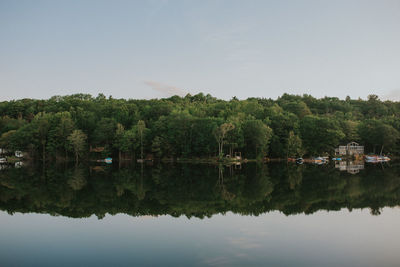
column 350, row 149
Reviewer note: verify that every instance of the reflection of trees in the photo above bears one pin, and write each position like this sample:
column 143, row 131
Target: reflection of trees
column 225, row 194
column 77, row 180
column 294, row 175
column 195, row 190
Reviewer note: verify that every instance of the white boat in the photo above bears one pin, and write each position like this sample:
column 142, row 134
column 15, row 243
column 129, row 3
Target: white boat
column 376, row 159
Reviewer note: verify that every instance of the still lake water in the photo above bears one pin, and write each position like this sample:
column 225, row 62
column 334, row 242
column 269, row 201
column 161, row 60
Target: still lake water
column 200, row 215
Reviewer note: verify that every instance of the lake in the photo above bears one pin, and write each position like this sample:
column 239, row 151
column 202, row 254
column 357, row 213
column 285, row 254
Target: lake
column 273, row 214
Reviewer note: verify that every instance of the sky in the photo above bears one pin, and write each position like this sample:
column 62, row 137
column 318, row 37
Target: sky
column 153, row 49
column 334, row 238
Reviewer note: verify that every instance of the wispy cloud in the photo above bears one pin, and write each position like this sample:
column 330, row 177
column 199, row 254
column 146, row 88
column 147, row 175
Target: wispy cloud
column 166, row 90
column 393, row 95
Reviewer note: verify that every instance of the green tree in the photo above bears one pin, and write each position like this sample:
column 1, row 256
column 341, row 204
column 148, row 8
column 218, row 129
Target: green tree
column 257, row 136
column 156, row 147
column 120, row 141
column 320, row 134
column 77, row 140
column 375, row 133
column 42, row 123
column 220, row 135
column 294, row 145
column 141, row 126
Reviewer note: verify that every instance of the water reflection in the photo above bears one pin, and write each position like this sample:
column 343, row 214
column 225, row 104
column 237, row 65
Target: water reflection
column 352, row 167
column 197, row 190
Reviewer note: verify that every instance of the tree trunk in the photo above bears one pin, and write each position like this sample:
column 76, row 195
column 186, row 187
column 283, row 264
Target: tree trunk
column 44, row 151
column 66, row 153
column 141, row 146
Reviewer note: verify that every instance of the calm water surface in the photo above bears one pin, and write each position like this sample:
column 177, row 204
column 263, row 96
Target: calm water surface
column 198, row 215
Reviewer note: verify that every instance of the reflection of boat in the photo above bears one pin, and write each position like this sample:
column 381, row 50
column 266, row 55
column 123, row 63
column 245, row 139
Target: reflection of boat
column 3, row 166
column 376, row 159
column 319, row 160
column 18, row 164
column 106, row 160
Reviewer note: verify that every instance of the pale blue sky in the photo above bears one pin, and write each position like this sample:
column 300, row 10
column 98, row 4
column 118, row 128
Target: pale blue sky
column 149, row 49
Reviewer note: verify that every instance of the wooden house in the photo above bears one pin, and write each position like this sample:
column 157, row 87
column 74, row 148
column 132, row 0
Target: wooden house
column 350, row 149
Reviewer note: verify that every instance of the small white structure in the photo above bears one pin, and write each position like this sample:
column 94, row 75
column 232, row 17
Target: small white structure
column 3, row 160
column 350, row 149
column 19, row 154
column 3, row 151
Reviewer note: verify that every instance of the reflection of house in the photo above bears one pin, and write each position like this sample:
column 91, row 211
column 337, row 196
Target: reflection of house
column 3, row 166
column 352, row 148
column 352, row 167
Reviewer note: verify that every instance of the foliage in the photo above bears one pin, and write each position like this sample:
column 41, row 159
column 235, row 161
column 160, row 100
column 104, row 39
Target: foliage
column 78, row 142
column 195, row 190
column 199, row 126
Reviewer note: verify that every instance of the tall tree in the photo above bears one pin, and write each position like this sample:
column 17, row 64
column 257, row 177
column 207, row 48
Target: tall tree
column 78, row 142
column 257, row 136
column 220, row 134
column 294, row 146
column 141, row 126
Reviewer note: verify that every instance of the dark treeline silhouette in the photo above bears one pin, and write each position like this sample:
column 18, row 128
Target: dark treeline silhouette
column 199, row 126
column 195, row 190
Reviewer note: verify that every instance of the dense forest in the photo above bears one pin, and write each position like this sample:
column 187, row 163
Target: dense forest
column 195, row 189
column 78, row 127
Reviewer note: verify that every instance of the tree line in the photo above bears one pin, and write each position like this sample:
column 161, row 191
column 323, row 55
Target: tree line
column 199, row 126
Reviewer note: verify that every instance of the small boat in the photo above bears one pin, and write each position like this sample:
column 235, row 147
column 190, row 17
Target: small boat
column 106, row 160
column 376, row 159
column 299, row 160
column 337, row 159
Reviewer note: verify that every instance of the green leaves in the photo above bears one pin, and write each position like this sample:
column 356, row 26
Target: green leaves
column 78, row 143
column 194, row 126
